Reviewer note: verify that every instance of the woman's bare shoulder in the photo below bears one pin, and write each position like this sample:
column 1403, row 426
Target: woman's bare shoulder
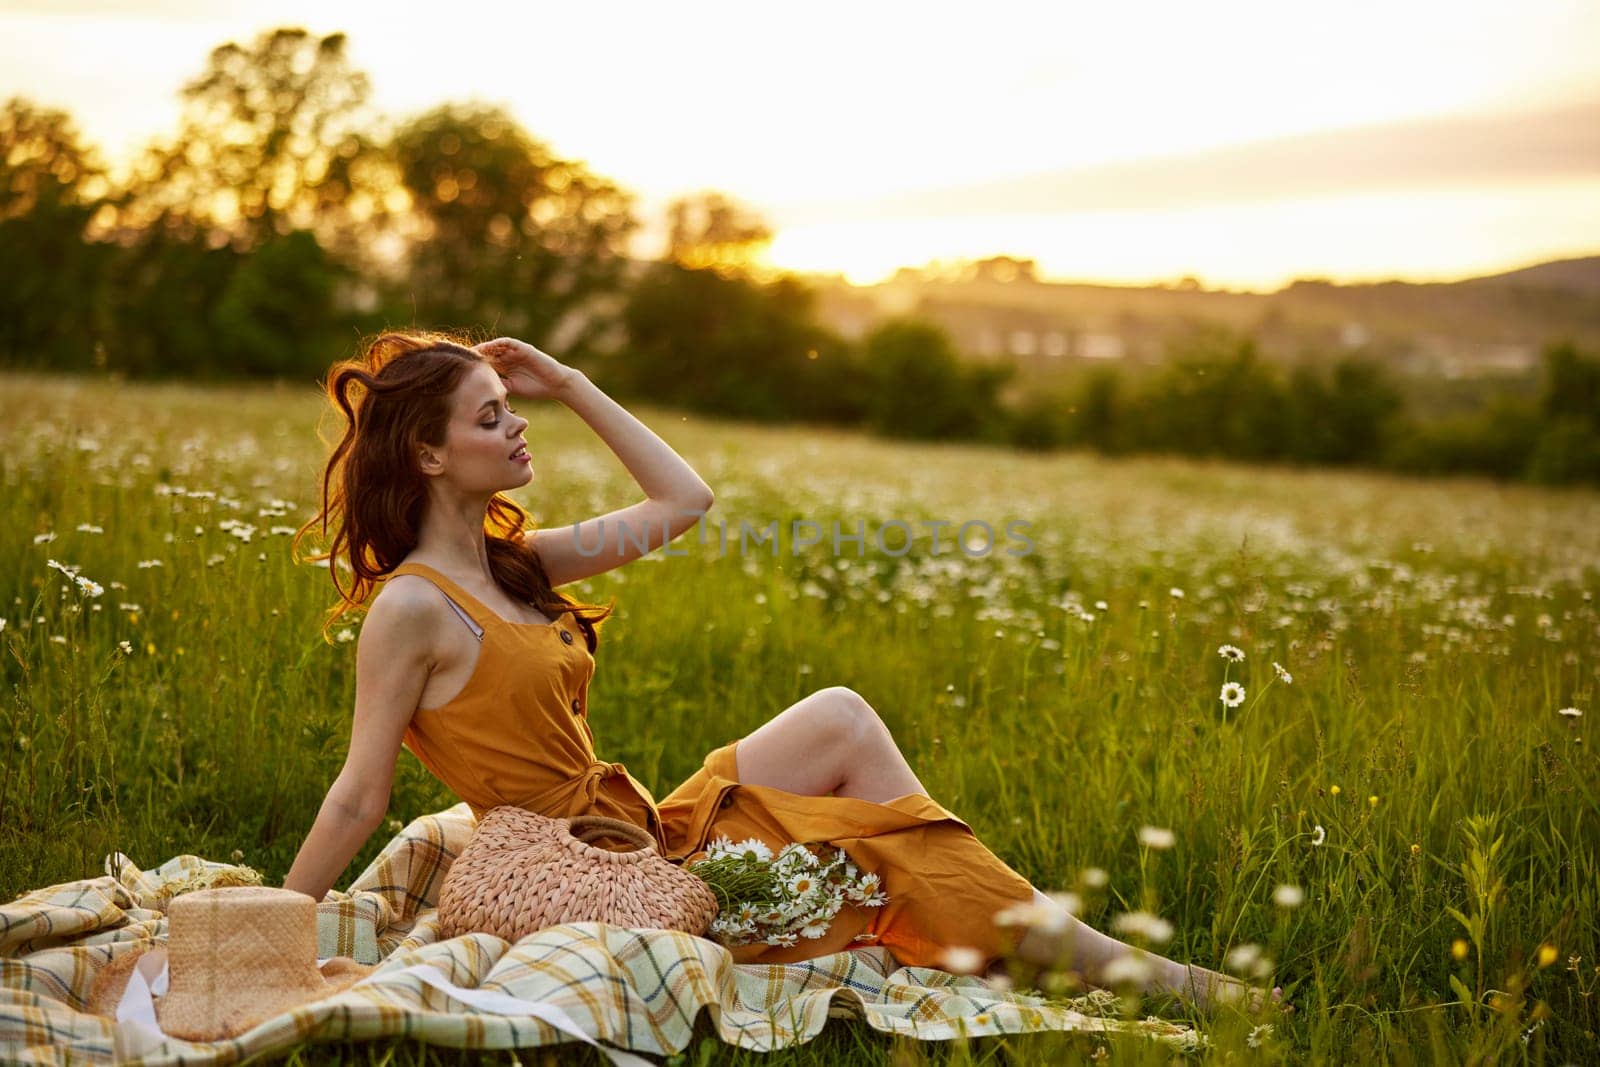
column 407, row 611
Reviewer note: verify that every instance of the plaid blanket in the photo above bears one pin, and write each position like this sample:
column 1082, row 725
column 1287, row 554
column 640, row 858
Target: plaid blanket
column 628, row 988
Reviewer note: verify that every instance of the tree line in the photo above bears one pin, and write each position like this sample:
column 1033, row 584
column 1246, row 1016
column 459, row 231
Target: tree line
column 283, row 220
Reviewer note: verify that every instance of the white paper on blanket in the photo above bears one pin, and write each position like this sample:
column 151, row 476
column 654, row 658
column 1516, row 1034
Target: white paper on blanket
column 137, row 1031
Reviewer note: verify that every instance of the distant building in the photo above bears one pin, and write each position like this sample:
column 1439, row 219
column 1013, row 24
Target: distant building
column 1354, row 335
column 1101, row 346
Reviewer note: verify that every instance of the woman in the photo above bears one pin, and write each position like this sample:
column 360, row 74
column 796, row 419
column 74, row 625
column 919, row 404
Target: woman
column 470, row 659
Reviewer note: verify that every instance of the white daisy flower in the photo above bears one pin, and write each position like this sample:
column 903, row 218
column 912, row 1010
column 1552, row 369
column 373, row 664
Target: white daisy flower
column 1094, row 877
column 961, row 959
column 1232, row 653
column 1030, row 915
column 1127, row 969
column 1232, row 694
column 1156, row 837
column 1571, row 713
column 1258, row 1035
column 754, row 848
column 1241, row 959
column 1288, row 896
column 814, row 929
column 1318, row 834
column 802, row 883
column 1175, row 593
column 1283, row 675
column 1150, row 927
column 797, row 854
column 1069, row 902
column 864, row 886
column 44, row 538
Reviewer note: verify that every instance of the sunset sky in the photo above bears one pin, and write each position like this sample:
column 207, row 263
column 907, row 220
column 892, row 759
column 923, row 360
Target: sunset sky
column 1243, row 143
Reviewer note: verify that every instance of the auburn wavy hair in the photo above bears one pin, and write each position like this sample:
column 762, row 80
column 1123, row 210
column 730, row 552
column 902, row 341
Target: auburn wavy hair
column 393, row 397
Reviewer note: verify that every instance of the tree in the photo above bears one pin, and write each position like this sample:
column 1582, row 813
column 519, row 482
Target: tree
column 1215, row 398
column 1098, row 419
column 733, row 346
column 1342, row 417
column 1004, row 269
column 271, row 139
column 1568, row 447
column 711, row 232
column 508, row 234
column 51, row 185
column 920, row 388
column 1571, row 384
column 276, row 318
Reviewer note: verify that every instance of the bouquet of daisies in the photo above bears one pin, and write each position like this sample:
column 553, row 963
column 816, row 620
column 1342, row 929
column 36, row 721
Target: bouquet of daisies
column 776, row 900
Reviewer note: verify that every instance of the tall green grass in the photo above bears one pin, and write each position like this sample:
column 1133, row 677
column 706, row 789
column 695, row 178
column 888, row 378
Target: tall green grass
column 1433, row 632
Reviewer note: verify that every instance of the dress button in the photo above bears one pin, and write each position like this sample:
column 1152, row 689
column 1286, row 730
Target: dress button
column 566, row 635
column 574, row 705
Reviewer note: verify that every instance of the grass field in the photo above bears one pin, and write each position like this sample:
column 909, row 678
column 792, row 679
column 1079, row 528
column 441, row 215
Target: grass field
column 1057, row 700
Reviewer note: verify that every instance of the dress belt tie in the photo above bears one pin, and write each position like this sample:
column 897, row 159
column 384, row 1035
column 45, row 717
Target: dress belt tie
column 586, row 783
column 589, row 780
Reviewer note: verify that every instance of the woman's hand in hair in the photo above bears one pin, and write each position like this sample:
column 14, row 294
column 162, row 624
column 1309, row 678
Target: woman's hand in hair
column 529, row 374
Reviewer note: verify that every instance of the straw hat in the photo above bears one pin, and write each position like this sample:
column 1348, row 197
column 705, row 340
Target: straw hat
column 236, row 956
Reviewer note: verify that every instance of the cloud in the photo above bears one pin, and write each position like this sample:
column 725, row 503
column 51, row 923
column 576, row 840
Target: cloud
column 1557, row 143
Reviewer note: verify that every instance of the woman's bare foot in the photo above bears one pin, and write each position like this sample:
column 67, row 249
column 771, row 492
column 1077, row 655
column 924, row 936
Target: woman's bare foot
column 1208, row 990
column 1056, row 940
column 1074, row 946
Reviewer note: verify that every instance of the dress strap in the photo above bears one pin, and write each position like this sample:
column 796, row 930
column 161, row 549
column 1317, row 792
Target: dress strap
column 457, row 596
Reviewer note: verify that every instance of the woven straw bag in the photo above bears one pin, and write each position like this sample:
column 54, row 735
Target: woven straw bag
column 521, row 872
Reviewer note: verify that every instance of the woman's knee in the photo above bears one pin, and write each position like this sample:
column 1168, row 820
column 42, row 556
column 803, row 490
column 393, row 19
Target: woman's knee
column 851, row 720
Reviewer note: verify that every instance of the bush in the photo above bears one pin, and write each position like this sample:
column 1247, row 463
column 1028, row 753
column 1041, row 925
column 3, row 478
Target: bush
column 919, row 388
column 1567, row 451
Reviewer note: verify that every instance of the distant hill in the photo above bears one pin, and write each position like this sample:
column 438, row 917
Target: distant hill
column 1580, row 275
column 998, row 309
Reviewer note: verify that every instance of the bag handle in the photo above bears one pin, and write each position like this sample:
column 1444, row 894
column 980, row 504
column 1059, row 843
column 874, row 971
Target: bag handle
column 586, row 827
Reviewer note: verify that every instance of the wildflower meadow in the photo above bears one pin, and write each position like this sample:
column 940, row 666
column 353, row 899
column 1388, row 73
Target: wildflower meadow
column 1321, row 730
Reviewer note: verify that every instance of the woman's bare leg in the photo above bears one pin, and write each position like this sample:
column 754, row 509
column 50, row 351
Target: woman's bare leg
column 829, row 742
column 1067, row 942
column 833, row 741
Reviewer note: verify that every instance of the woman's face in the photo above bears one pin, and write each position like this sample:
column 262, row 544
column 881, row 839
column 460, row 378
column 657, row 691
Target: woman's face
column 484, row 450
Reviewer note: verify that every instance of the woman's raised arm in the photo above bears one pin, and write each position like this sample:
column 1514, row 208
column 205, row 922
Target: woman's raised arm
column 392, row 664
column 675, row 496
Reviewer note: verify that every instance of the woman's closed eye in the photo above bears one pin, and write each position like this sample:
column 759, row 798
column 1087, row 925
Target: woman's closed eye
column 496, row 422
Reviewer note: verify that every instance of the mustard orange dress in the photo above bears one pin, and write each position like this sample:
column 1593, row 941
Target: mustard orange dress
column 518, row 733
